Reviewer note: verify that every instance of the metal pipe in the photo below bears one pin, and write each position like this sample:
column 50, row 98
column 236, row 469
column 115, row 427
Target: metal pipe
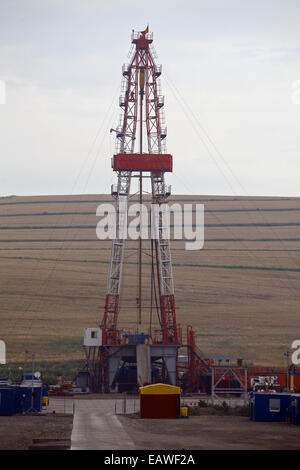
column 142, row 80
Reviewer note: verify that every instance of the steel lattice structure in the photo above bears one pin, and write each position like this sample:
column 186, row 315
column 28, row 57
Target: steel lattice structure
column 140, row 86
column 142, row 105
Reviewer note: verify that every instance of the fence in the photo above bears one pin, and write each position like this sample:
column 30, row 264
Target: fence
column 61, row 405
column 127, row 405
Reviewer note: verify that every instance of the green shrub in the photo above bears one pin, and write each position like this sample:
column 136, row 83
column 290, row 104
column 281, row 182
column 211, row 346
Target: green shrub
column 50, row 370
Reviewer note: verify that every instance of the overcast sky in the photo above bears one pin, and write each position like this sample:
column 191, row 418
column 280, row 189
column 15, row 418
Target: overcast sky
column 229, row 68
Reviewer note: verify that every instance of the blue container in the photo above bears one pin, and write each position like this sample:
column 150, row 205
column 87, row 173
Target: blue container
column 142, row 337
column 297, row 411
column 29, row 376
column 269, row 406
column 294, row 409
column 37, row 398
column 23, row 399
column 7, row 395
column 45, row 390
column 4, row 381
column 131, row 339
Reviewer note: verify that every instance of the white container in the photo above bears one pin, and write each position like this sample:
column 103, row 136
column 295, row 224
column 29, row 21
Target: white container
column 92, row 337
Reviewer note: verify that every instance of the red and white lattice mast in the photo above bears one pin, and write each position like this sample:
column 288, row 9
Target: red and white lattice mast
column 140, row 100
column 107, row 349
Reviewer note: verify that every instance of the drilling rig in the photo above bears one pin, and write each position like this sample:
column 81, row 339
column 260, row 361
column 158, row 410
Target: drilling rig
column 117, row 360
column 109, row 351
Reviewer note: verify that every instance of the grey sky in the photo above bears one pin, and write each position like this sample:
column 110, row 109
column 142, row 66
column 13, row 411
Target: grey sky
column 231, row 64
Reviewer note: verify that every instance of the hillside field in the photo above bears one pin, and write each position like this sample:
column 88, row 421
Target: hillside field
column 240, row 292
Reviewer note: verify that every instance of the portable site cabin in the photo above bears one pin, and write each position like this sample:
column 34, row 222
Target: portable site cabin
column 160, row 401
column 7, row 397
column 29, row 396
column 266, row 406
column 294, row 409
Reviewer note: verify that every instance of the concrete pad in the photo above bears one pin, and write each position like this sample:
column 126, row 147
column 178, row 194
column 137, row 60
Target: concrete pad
column 96, row 427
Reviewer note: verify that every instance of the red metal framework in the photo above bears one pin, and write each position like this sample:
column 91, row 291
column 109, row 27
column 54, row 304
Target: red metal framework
column 140, row 80
column 142, row 162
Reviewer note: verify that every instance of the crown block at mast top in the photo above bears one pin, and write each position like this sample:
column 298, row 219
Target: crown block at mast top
column 142, row 39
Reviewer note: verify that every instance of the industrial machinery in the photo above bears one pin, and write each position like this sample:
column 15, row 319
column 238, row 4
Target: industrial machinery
column 265, row 383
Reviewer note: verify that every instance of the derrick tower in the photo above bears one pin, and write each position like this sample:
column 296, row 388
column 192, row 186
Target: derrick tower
column 141, row 125
column 140, row 101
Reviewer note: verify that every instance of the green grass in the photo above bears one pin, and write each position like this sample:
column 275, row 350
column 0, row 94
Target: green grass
column 62, row 344
column 49, row 370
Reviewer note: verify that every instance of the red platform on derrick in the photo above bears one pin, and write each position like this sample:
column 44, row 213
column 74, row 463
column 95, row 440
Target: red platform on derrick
column 142, row 162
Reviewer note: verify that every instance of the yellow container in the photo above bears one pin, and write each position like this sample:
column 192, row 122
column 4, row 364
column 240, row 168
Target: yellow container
column 184, row 411
column 160, row 401
column 45, row 401
column 159, row 389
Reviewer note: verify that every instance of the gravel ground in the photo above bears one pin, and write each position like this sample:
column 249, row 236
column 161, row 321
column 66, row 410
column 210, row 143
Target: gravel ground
column 18, row 431
column 210, row 432
column 204, row 432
